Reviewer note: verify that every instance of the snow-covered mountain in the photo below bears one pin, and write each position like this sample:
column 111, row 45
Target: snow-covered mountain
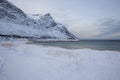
column 14, row 22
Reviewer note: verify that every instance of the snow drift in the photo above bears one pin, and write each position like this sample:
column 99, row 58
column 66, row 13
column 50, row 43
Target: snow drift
column 34, row 62
column 15, row 23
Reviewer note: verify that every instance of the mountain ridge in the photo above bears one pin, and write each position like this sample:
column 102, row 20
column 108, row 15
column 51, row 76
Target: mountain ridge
column 14, row 22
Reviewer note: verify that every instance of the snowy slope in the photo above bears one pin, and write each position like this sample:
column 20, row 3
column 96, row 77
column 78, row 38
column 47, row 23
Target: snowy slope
column 14, row 21
column 20, row 61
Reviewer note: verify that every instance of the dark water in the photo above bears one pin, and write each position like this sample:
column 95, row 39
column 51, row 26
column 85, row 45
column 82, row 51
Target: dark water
column 112, row 45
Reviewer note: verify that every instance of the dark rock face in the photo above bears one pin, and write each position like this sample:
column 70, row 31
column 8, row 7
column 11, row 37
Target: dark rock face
column 1, row 1
column 10, row 11
column 4, row 13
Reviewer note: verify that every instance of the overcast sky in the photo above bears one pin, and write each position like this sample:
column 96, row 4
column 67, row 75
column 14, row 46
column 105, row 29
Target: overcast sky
column 87, row 19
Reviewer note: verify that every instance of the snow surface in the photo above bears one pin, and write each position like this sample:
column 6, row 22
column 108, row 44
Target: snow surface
column 22, row 61
column 22, row 30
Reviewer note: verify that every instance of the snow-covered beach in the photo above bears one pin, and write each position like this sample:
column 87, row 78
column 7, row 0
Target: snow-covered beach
column 21, row 61
column 22, row 57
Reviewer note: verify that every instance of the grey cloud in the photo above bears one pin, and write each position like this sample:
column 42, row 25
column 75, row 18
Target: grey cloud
column 110, row 27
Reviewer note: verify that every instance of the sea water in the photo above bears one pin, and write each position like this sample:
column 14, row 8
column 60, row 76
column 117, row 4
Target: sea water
column 111, row 45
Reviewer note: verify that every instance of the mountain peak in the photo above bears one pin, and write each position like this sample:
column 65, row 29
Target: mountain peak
column 48, row 15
